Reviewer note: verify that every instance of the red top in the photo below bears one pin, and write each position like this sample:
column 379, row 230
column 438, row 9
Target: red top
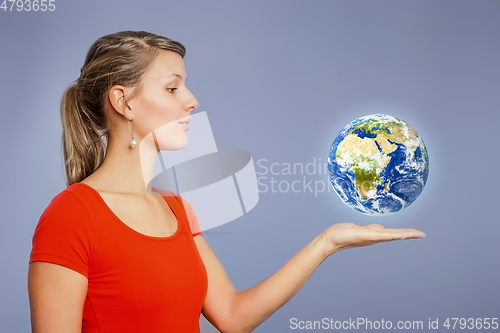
column 136, row 283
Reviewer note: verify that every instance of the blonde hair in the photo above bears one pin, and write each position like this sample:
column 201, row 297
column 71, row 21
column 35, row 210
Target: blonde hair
column 120, row 58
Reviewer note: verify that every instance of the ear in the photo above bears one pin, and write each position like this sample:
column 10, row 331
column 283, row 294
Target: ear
column 118, row 101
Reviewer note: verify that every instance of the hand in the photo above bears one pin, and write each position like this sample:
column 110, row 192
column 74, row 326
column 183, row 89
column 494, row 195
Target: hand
column 348, row 235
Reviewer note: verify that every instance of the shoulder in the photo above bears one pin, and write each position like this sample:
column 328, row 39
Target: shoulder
column 64, row 234
column 70, row 199
column 66, row 201
column 67, row 210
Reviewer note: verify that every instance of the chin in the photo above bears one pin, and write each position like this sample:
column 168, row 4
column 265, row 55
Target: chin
column 176, row 144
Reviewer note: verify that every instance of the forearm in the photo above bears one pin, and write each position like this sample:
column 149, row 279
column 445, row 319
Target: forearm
column 233, row 311
column 251, row 307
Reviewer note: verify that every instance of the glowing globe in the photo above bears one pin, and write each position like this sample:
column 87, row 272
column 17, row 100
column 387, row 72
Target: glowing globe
column 378, row 165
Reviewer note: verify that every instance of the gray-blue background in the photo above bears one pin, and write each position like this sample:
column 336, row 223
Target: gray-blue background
column 280, row 79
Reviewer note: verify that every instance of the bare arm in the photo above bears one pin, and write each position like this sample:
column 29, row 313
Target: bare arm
column 57, row 295
column 233, row 311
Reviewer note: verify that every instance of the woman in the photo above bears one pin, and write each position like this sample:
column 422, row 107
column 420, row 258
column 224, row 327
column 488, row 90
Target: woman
column 110, row 254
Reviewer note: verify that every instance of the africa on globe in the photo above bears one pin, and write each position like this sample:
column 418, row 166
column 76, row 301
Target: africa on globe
column 378, row 164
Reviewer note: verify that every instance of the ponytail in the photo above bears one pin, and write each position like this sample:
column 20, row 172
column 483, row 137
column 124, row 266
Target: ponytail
column 82, row 141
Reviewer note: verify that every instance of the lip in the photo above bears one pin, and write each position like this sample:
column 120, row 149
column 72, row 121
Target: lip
column 185, row 122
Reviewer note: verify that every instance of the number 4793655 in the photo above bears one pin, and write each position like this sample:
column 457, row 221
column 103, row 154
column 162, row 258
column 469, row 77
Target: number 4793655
column 28, row 5
column 471, row 323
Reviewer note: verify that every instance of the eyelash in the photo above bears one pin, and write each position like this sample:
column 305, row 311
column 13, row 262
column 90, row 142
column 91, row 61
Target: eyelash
column 171, row 90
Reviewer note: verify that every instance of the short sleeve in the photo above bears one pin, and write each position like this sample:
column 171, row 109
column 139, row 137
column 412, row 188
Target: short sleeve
column 64, row 234
column 192, row 218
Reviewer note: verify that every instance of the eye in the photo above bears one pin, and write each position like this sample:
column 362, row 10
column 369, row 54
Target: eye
column 171, row 90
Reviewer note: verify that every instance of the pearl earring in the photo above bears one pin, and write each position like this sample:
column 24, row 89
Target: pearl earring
column 133, row 142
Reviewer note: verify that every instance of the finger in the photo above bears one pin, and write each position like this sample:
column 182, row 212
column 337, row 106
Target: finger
column 394, row 234
column 410, row 233
column 386, row 235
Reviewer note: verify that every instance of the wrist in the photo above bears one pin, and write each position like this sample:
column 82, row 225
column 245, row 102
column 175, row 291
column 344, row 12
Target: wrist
column 327, row 246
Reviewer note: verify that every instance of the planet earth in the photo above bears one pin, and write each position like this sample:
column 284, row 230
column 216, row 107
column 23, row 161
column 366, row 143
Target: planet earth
column 378, row 165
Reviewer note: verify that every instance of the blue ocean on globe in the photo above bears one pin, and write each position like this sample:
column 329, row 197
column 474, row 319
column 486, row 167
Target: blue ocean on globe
column 378, row 164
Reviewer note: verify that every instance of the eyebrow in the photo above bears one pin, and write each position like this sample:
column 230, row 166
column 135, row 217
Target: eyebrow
column 173, row 74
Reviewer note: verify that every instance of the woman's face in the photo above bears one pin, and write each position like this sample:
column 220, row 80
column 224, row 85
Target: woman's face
column 164, row 104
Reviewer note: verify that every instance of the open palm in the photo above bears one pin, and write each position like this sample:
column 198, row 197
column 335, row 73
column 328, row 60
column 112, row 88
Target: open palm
column 348, row 235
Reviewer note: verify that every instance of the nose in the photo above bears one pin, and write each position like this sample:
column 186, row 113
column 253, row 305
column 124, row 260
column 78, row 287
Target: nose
column 192, row 103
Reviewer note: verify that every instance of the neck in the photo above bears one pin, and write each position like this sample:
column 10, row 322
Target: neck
column 127, row 169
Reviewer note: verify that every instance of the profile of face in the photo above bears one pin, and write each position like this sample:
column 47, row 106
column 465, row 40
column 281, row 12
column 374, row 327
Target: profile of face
column 163, row 104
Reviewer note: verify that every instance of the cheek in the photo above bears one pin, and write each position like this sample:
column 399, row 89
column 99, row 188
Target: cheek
column 162, row 112
column 155, row 113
